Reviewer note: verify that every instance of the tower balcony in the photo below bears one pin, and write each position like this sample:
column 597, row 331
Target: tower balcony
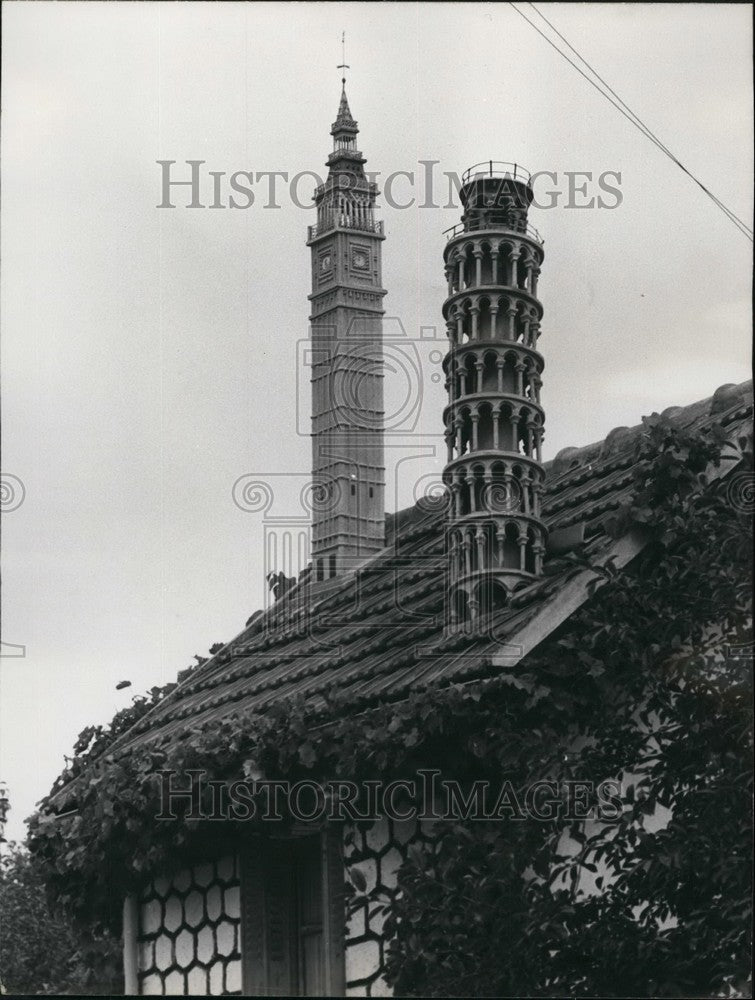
column 489, row 560
column 497, row 169
column 493, row 461
column 494, row 488
column 362, row 226
column 493, row 426
column 355, row 184
column 475, row 596
column 504, row 399
column 511, row 292
column 496, row 195
column 476, row 225
column 461, row 358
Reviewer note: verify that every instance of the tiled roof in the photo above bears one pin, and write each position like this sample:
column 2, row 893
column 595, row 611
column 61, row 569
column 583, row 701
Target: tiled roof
column 379, row 633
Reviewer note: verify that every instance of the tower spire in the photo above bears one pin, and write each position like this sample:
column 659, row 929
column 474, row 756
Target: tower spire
column 344, row 112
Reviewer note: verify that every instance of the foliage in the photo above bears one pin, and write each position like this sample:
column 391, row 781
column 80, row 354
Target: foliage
column 647, row 681
column 4, row 806
column 93, row 741
column 42, row 951
column 640, row 907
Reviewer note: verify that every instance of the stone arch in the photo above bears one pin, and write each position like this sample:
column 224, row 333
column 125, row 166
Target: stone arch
column 505, row 248
column 508, row 372
column 490, row 595
column 528, row 262
column 521, row 268
column 488, row 271
column 466, row 320
column 528, row 375
column 461, row 427
column 522, row 433
column 490, row 371
column 454, row 315
column 451, row 327
column 507, row 428
column 452, row 272
column 529, row 551
column 521, row 314
column 468, row 375
column 451, row 369
column 474, row 560
column 520, row 487
column 467, row 254
column 464, row 508
column 511, row 545
column 485, row 427
column 457, row 553
column 459, row 602
column 498, row 471
column 484, row 320
column 512, row 324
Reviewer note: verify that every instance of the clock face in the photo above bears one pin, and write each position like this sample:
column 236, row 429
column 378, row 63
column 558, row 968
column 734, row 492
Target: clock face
column 325, row 262
column 360, row 260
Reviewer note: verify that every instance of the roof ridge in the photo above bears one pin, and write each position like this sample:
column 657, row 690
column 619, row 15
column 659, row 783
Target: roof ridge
column 735, row 394
column 286, row 660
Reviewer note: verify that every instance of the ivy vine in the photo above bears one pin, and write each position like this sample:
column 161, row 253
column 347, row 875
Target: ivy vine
column 650, row 680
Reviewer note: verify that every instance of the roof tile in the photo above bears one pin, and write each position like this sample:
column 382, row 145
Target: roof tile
column 379, row 633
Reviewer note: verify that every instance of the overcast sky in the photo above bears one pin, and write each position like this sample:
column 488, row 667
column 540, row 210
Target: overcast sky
column 150, row 355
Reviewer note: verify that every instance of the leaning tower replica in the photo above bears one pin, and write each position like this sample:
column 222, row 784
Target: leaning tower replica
column 494, row 420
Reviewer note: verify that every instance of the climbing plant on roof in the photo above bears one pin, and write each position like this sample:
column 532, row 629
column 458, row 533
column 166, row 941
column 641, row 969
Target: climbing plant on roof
column 649, row 679
column 638, row 907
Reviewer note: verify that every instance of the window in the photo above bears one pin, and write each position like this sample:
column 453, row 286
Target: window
column 293, row 916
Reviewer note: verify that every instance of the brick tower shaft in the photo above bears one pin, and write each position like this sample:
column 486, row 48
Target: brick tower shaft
column 348, row 464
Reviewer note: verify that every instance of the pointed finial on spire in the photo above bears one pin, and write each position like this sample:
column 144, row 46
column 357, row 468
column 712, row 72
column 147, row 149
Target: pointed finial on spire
column 343, row 64
column 344, row 122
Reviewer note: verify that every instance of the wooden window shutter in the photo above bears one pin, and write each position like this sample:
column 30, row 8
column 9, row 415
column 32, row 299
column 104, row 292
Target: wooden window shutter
column 293, row 916
column 334, row 903
column 268, row 965
column 252, row 919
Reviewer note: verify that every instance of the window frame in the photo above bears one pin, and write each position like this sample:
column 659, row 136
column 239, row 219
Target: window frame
column 270, row 928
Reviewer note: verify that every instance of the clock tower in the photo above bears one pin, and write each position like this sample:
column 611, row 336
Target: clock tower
column 348, row 464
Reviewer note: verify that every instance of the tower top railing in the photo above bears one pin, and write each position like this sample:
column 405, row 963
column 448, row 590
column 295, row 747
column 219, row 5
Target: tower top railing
column 496, row 168
column 476, row 225
column 353, row 185
column 340, row 221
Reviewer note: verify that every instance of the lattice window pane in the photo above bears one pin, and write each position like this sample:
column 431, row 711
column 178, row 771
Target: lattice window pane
column 188, row 941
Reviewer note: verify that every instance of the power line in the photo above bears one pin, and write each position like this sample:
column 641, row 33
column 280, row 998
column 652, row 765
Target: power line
column 627, row 112
column 634, row 118
column 645, row 129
